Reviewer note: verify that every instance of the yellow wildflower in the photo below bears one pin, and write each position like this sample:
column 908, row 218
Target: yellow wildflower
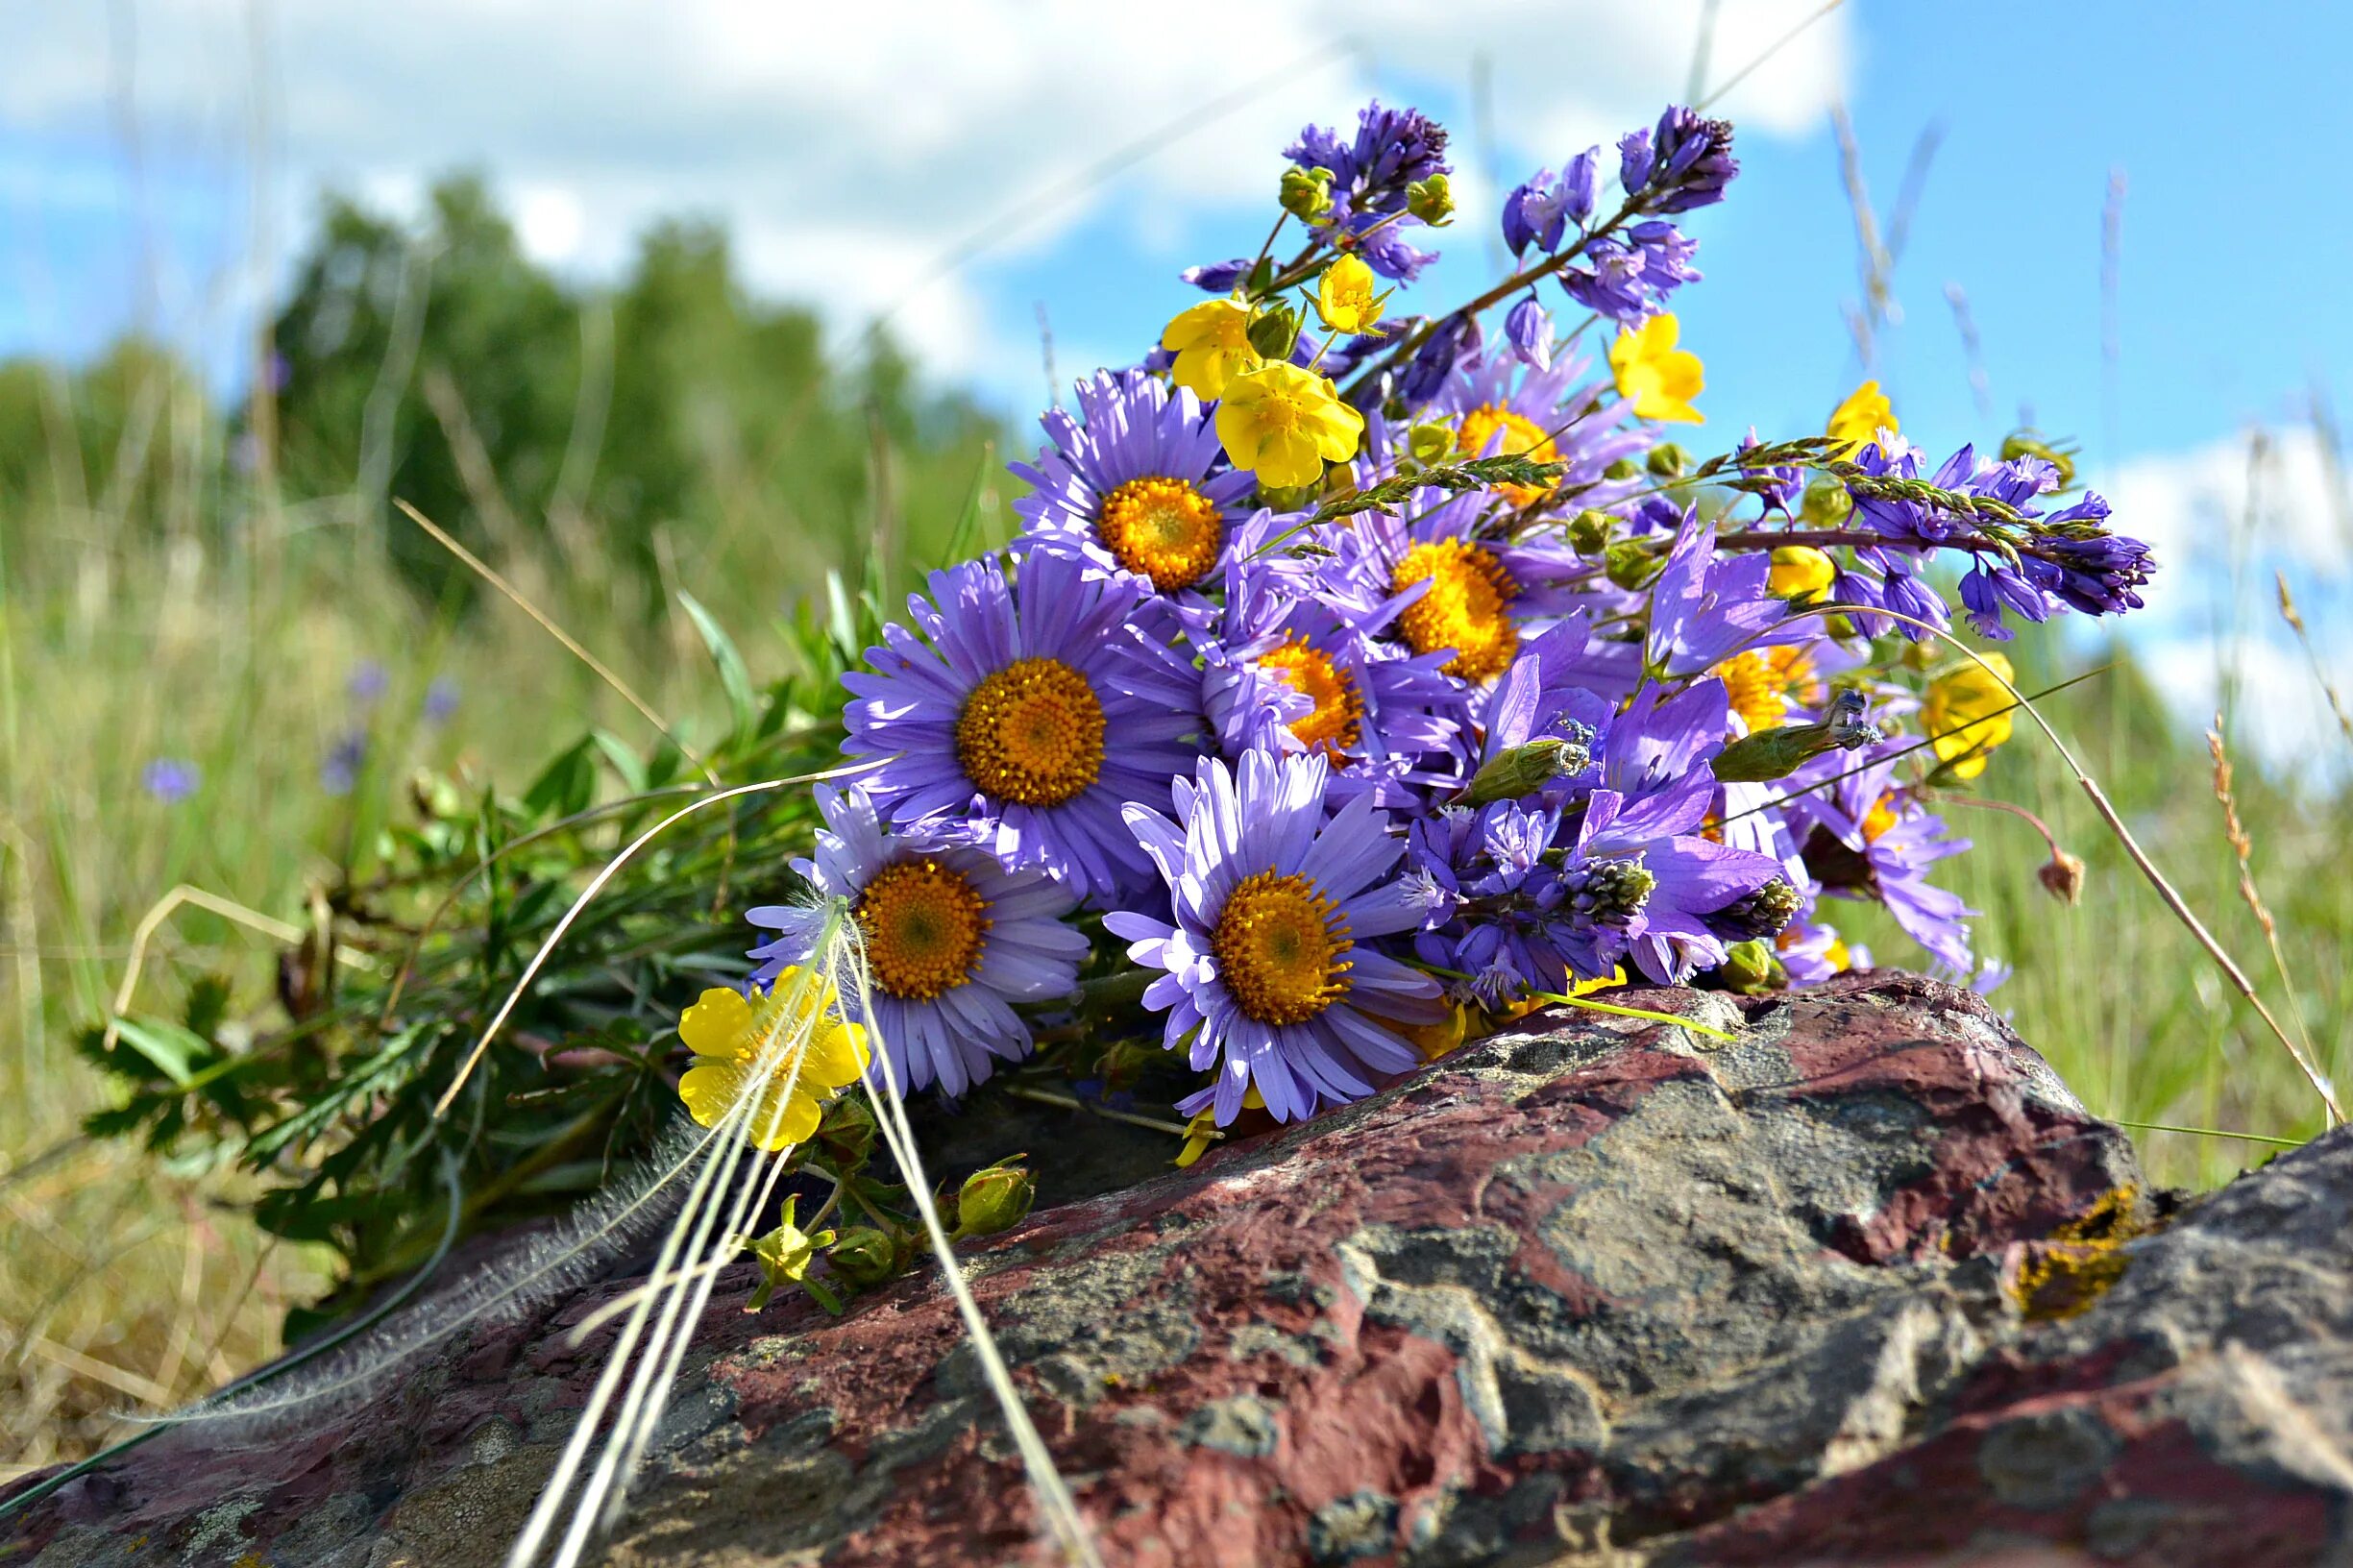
column 1967, row 694
column 729, row 1035
column 1201, row 1130
column 1658, row 377
column 1861, row 417
column 1212, row 345
column 1344, row 297
column 1801, row 572
column 784, row 1256
column 1286, row 423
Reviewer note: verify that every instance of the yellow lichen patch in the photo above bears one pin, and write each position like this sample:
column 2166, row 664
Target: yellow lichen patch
column 2081, row 1261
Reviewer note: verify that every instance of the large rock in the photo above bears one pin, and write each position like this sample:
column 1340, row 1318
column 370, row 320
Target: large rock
column 1869, row 1287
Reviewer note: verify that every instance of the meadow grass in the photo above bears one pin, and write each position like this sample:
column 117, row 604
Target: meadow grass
column 131, row 1282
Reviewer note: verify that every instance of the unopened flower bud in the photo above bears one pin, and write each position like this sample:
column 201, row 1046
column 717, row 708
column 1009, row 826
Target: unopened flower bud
column 1625, row 468
column 2062, row 876
column 784, row 1255
column 994, row 1199
column 1629, row 564
column 1667, row 461
column 1826, row 503
column 1589, row 531
column 1307, row 193
column 1777, row 753
column 865, row 1256
column 1523, row 769
column 1751, row 969
column 846, row 1135
column 1431, row 201
column 1273, row 334
column 1430, row 443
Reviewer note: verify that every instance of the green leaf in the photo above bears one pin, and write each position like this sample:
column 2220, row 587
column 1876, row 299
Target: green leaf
column 175, row 1050
column 625, row 759
column 733, row 673
column 568, row 784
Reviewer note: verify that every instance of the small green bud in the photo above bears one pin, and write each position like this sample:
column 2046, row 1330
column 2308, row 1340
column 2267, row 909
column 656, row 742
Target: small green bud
column 1629, row 564
column 846, row 1135
column 1826, row 503
column 865, row 1256
column 1273, row 334
column 1589, row 531
column 1777, row 753
column 1625, row 468
column 1523, row 769
column 1430, row 443
column 1431, row 200
column 1750, row 968
column 1667, row 461
column 1307, row 193
column 784, row 1255
column 994, row 1199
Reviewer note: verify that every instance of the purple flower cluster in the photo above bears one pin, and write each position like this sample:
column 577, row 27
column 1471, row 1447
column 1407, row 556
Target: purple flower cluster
column 1331, row 768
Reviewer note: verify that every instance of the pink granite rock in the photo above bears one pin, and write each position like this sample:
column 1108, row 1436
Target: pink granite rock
column 1868, row 1286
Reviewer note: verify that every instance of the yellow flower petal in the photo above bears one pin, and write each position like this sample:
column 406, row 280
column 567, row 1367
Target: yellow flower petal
column 1969, row 693
column 1658, row 377
column 836, row 1056
column 717, row 1024
column 1212, row 344
column 1865, row 412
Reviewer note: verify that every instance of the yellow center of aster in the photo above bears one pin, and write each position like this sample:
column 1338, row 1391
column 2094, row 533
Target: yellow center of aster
column 1761, row 682
column 1880, row 820
column 1163, row 529
column 1334, row 724
column 1466, row 607
column 922, row 925
column 1523, row 437
column 1032, row 733
column 1280, row 949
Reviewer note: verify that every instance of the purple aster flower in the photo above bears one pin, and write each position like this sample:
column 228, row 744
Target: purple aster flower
column 1864, row 837
column 1032, row 711
column 1289, row 673
column 1429, row 578
column 1134, row 481
column 1704, row 609
column 170, row 780
column 952, row 939
column 1501, row 404
column 1271, row 971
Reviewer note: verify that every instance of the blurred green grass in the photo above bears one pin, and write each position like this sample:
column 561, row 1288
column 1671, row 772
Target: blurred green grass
column 179, row 580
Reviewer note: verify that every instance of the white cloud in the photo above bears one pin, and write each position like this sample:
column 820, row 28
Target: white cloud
column 2224, row 519
column 849, row 145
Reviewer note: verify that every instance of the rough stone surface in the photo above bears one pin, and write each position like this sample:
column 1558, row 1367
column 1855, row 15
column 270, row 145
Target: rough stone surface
column 1869, row 1287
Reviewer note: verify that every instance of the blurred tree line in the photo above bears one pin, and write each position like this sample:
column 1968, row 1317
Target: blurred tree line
column 670, row 420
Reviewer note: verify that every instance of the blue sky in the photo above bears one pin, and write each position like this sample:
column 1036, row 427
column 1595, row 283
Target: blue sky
column 848, row 156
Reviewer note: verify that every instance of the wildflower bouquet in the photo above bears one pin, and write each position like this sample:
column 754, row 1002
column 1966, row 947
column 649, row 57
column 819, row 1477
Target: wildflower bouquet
column 1359, row 676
